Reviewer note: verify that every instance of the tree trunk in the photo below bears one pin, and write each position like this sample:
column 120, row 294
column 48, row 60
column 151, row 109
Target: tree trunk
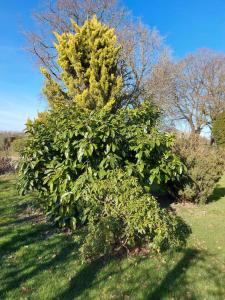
column 212, row 140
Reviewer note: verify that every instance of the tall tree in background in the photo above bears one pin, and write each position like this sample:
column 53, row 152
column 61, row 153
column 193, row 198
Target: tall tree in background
column 191, row 90
column 141, row 47
column 89, row 62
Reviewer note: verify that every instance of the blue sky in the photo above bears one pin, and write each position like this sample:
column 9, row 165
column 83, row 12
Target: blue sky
column 20, row 82
column 187, row 26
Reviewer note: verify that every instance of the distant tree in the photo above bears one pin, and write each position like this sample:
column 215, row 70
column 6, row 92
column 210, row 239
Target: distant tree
column 218, row 129
column 191, row 90
column 7, row 142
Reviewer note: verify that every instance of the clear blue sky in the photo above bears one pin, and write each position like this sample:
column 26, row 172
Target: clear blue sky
column 187, row 25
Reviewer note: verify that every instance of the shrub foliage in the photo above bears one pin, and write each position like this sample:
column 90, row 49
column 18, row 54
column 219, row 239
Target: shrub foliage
column 72, row 149
column 205, row 165
column 122, row 215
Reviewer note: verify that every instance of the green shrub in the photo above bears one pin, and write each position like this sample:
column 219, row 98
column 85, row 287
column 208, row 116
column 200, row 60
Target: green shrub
column 70, row 149
column 18, row 145
column 218, row 129
column 205, row 165
column 70, row 143
column 121, row 215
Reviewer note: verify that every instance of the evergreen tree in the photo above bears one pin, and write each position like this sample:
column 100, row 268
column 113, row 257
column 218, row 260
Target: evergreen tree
column 89, row 74
column 218, row 129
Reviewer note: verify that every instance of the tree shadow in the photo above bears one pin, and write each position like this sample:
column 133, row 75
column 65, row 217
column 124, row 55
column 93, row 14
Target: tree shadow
column 218, row 193
column 14, row 279
column 23, row 238
column 82, row 281
column 176, row 285
column 20, row 213
column 31, row 218
column 167, row 284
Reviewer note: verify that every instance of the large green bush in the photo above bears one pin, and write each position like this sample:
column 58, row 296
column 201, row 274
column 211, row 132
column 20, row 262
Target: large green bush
column 73, row 142
column 70, row 149
column 205, row 165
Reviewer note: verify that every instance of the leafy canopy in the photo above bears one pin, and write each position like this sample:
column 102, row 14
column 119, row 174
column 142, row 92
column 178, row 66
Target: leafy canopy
column 76, row 142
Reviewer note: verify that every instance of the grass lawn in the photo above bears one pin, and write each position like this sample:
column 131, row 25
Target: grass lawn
column 38, row 262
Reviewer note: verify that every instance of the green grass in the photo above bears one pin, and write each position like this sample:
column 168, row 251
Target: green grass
column 39, row 262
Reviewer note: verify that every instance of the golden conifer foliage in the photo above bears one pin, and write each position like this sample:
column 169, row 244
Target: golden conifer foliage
column 89, row 75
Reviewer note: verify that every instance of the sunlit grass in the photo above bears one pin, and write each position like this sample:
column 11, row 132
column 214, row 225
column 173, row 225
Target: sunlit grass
column 39, row 262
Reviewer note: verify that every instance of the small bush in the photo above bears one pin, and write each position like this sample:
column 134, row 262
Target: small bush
column 121, row 215
column 6, row 165
column 18, row 145
column 205, row 165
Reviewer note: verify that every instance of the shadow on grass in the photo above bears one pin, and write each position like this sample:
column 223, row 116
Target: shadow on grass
column 178, row 285
column 174, row 285
column 18, row 213
column 175, row 275
column 23, row 238
column 217, row 194
column 82, row 281
column 14, row 279
column 31, row 218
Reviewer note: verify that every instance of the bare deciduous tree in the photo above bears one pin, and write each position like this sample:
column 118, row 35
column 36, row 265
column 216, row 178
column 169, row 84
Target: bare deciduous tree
column 191, row 90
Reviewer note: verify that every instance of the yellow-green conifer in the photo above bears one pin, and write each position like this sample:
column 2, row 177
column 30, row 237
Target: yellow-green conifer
column 89, row 75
